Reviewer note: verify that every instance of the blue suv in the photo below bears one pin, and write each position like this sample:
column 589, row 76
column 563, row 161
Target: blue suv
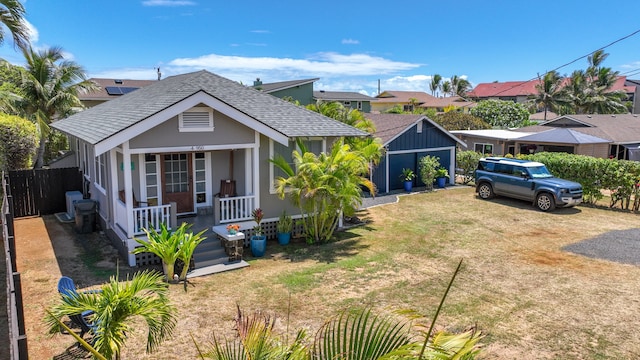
column 525, row 180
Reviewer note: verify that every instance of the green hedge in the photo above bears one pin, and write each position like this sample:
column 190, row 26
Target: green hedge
column 620, row 177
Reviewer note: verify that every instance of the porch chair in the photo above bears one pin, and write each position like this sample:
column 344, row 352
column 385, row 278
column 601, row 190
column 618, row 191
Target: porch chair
column 136, row 204
column 67, row 287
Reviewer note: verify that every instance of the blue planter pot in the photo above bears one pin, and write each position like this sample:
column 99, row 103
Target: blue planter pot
column 283, row 238
column 258, row 245
column 408, row 185
column 442, row 181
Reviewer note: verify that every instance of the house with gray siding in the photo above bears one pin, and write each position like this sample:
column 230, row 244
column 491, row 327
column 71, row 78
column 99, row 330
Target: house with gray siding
column 406, row 139
column 300, row 90
column 189, row 145
column 349, row 99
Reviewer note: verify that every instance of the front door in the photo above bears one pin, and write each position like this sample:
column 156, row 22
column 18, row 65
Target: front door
column 176, row 187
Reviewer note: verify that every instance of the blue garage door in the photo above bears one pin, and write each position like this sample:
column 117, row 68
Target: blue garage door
column 397, row 162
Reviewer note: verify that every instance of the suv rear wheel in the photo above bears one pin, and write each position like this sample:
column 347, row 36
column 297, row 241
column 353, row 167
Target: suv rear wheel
column 485, row 191
column 545, row 202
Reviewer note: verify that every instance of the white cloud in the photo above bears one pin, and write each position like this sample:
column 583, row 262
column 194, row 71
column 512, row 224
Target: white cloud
column 32, row 31
column 350, row 42
column 168, row 3
column 321, row 64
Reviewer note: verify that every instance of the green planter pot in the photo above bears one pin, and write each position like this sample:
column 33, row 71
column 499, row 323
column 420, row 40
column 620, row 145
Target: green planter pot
column 284, row 238
column 258, row 245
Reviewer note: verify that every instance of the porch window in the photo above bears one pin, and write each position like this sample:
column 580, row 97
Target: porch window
column 483, row 148
column 200, row 178
column 196, row 120
column 151, row 179
column 101, row 171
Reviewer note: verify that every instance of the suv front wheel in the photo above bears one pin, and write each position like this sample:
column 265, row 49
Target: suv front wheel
column 545, row 202
column 485, row 191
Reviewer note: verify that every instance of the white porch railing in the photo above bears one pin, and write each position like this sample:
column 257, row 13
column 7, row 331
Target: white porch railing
column 148, row 217
column 232, row 209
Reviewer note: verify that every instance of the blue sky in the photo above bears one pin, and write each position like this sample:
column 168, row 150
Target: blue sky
column 349, row 45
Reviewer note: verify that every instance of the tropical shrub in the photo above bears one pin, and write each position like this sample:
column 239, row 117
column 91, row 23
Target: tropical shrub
column 18, row 142
column 170, row 246
column 502, row 113
column 467, row 162
column 460, row 121
column 428, row 166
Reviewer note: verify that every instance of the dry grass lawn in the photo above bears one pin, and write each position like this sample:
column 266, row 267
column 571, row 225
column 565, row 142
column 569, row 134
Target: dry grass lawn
column 531, row 299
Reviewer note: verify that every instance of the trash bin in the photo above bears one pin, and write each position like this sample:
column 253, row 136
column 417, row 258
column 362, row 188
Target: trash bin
column 85, row 216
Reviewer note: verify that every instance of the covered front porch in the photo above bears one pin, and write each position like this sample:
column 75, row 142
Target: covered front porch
column 168, row 185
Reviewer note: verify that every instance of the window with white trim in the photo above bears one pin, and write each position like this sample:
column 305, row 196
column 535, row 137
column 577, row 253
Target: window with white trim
column 151, row 166
column 315, row 146
column 346, row 103
column 359, row 105
column 101, row 171
column 197, row 119
column 483, row 148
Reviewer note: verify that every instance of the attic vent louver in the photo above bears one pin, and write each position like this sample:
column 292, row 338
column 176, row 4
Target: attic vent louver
column 196, row 120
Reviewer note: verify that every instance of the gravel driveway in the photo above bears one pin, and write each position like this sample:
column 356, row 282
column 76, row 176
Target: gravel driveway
column 621, row 246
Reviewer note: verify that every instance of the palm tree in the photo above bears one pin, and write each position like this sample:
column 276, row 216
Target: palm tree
column 145, row 296
column 436, row 84
column 50, row 90
column 322, row 186
column 551, row 93
column 447, row 88
column 12, row 17
column 590, row 90
column 461, row 87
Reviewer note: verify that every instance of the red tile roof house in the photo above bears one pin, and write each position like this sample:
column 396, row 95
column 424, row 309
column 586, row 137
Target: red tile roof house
column 521, row 91
column 171, row 146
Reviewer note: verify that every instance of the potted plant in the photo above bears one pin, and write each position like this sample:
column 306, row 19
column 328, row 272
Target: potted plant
column 407, row 176
column 258, row 240
column 441, row 176
column 284, row 227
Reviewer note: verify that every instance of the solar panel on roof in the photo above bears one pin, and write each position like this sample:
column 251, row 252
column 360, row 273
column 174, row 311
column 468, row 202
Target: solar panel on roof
column 126, row 90
column 113, row 90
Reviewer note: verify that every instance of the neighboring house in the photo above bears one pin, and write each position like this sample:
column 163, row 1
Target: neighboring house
column 190, row 144
column 111, row 89
column 406, row 139
column 300, row 90
column 408, row 100
column 352, row 100
column 439, row 104
column 522, row 91
column 603, row 136
column 490, row 141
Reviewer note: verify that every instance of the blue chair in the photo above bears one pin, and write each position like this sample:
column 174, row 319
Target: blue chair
column 67, row 287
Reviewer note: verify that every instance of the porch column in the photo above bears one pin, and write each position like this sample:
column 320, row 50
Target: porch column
column 128, row 186
column 113, row 172
column 256, row 170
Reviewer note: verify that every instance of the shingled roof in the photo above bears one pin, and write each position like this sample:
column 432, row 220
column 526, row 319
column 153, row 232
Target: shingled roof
column 341, row 96
column 390, row 126
column 103, row 121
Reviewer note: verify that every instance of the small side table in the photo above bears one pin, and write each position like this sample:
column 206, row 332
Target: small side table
column 233, row 245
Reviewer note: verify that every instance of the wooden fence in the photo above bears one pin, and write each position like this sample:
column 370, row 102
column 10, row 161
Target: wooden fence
column 42, row 191
column 17, row 333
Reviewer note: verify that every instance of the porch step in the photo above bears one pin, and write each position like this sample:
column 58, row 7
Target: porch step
column 208, row 253
column 213, row 269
